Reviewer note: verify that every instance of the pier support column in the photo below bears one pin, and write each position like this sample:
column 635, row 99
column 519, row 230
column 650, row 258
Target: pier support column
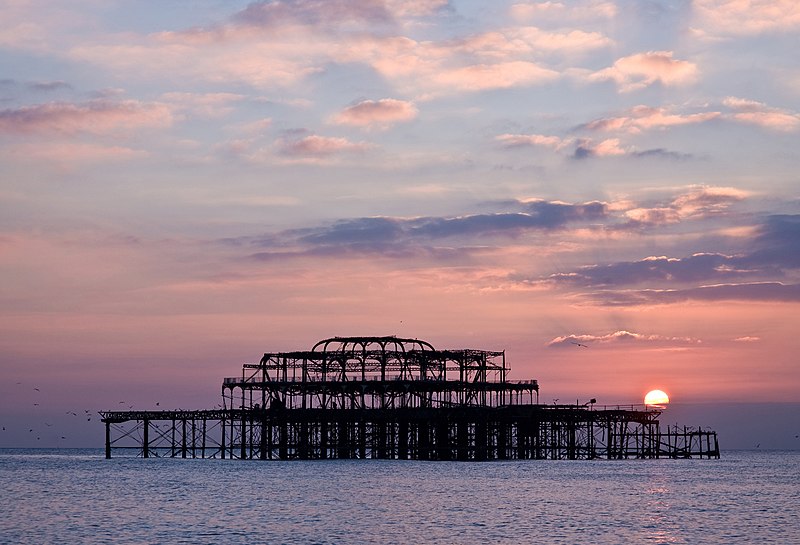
column 183, row 438
column 146, row 439
column 108, row 440
column 222, row 443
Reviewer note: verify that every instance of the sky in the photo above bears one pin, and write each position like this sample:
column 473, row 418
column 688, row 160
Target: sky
column 187, row 185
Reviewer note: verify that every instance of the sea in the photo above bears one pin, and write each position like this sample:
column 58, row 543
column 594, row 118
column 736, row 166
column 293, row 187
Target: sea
column 76, row 496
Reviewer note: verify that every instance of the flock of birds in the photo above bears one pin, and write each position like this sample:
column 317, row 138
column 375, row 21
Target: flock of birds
column 87, row 414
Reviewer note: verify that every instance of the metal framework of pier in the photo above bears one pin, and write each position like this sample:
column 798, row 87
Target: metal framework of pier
column 395, row 398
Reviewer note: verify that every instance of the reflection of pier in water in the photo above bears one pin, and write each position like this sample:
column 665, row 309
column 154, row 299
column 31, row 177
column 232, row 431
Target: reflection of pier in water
column 387, row 397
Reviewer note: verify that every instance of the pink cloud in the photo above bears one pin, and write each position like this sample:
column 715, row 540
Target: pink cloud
column 705, row 201
column 758, row 113
column 644, row 69
column 654, row 216
column 698, row 203
column 519, row 140
column 724, row 18
column 480, row 77
column 618, row 337
column 97, row 116
column 319, row 146
column 606, row 148
column 505, row 43
column 643, row 118
column 583, row 147
column 377, row 113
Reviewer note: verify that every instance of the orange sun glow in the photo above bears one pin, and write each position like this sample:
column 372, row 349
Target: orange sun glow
column 656, row 397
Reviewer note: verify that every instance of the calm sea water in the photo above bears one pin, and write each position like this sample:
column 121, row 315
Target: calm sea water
column 76, row 496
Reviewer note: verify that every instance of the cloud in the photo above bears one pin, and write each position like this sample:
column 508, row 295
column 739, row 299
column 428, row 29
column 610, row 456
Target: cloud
column 503, row 75
column 49, row 85
column 758, row 113
column 535, row 140
column 313, row 145
column 747, row 339
column 583, row 148
column 755, row 274
column 559, row 12
column 698, row 203
column 729, row 18
column 96, row 116
column 530, row 39
column 416, row 8
column 660, row 269
column 377, row 113
column 705, row 201
column 391, row 236
column 644, row 69
column 642, row 118
column 605, row 148
column 756, row 291
column 618, row 337
column 777, row 242
column 313, row 12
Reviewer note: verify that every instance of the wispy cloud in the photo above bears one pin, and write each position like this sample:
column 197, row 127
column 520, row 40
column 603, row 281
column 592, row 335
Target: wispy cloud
column 391, row 236
column 47, row 86
column 535, row 140
column 728, row 18
column 303, row 144
column 757, row 291
column 574, row 11
column 618, row 338
column 96, row 116
column 643, row 118
column 377, row 113
column 659, row 269
column 758, row 113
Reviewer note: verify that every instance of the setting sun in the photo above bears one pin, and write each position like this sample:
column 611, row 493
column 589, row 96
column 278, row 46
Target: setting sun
column 656, row 397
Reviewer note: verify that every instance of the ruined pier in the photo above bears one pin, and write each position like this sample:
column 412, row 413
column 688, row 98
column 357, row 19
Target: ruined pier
column 395, row 398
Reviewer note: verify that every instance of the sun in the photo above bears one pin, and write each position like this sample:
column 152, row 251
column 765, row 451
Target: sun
column 656, row 398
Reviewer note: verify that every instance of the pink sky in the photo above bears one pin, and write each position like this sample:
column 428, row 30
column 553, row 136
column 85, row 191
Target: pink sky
column 182, row 191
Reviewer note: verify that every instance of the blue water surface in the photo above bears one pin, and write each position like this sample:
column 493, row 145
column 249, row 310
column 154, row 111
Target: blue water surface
column 77, row 496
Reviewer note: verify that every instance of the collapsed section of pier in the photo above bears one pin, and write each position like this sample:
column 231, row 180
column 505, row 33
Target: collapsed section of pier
column 395, row 398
